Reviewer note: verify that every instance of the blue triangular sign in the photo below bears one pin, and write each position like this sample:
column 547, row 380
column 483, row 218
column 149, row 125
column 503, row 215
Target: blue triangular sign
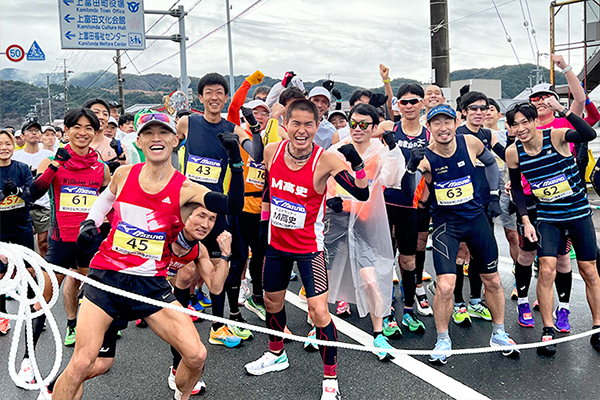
column 35, row 53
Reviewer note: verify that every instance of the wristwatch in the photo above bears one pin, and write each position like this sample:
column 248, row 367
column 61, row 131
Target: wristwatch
column 563, row 113
column 227, row 257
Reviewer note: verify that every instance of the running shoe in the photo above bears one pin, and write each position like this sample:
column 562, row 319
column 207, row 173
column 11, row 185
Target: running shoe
column 561, row 320
column 595, row 339
column 70, row 337
column 431, row 286
column 141, row 323
column 244, row 334
column 425, row 276
column 461, row 316
column 331, row 390
column 440, row 355
column 514, row 295
column 256, row 308
column 391, row 328
column 199, row 388
column 26, row 372
column 193, row 317
column 343, row 309
column 4, row 326
column 382, row 342
column 293, row 276
column 224, row 337
column 244, row 291
column 203, row 299
column 501, row 338
column 525, row 318
column 395, row 276
column 268, row 362
column 412, row 323
column 44, row 394
column 536, row 305
column 302, row 293
column 198, row 307
column 549, row 349
column 423, row 307
column 466, row 269
column 308, row 346
column 287, row 330
column 479, row 310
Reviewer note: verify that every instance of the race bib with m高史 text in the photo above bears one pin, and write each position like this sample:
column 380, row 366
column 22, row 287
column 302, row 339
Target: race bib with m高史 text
column 287, row 215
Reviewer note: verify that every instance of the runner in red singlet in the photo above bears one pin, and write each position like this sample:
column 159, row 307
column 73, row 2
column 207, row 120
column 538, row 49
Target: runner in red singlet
column 298, row 171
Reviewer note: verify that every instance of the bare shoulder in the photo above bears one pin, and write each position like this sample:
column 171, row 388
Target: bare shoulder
column 269, row 152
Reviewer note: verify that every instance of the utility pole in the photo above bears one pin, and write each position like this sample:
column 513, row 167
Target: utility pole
column 120, row 79
column 440, row 52
column 49, row 100
column 231, row 77
column 65, row 83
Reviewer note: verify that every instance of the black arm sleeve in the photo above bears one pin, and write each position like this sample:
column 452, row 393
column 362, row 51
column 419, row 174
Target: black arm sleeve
column 231, row 204
column 347, row 182
column 255, row 147
column 409, row 183
column 583, row 131
column 517, row 191
column 499, row 150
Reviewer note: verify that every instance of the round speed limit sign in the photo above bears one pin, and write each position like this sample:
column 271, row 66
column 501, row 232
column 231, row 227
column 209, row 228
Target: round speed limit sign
column 15, row 53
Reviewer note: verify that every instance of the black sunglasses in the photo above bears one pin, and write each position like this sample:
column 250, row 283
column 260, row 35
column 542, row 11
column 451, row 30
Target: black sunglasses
column 516, row 106
column 473, row 107
column 412, row 101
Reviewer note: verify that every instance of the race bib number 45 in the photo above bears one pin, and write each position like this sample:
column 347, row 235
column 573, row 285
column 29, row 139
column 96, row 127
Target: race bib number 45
column 11, row 202
column 552, row 189
column 256, row 174
column 202, row 169
column 77, row 198
column 454, row 192
column 129, row 239
column 287, row 215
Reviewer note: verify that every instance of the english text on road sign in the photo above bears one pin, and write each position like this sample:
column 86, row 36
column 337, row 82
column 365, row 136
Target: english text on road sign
column 102, row 24
column 35, row 53
column 15, row 53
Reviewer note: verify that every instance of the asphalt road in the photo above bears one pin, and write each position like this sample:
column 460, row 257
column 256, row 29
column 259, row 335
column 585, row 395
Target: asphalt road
column 142, row 365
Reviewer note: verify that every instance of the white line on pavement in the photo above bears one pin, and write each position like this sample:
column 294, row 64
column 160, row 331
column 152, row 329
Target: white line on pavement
column 439, row 380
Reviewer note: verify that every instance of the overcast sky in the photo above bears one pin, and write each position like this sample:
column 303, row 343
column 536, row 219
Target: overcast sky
column 347, row 38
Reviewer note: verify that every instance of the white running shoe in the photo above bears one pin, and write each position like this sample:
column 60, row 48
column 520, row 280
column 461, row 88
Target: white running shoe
column 269, row 362
column 244, row 292
column 331, row 390
column 44, row 394
column 198, row 389
column 26, row 372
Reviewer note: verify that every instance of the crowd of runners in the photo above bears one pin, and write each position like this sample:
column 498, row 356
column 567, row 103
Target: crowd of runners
column 195, row 208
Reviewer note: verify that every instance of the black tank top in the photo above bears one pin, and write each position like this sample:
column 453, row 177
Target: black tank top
column 485, row 135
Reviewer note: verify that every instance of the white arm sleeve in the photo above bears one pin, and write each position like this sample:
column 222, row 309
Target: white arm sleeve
column 274, row 93
column 102, row 206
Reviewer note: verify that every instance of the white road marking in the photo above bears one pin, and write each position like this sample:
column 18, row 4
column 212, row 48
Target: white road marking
column 438, row 379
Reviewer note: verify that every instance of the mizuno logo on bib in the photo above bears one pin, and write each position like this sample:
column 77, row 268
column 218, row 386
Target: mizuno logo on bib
column 287, row 215
column 202, row 169
column 11, row 202
column 129, row 239
column 454, row 192
column 77, row 198
column 552, row 189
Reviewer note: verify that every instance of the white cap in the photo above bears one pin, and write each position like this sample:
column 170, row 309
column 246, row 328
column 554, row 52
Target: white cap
column 337, row 112
column 257, row 103
column 319, row 91
column 17, row 133
column 543, row 88
column 45, row 128
column 112, row 120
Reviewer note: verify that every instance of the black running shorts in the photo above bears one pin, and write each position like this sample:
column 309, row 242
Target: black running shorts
column 580, row 231
column 403, row 220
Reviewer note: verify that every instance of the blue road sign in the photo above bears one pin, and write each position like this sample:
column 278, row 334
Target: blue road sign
column 35, row 53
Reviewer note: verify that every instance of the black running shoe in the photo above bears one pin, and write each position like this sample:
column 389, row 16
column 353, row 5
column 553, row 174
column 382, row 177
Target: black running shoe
column 595, row 339
column 547, row 336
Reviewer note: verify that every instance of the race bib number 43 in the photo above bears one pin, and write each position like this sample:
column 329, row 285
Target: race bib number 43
column 129, row 239
column 256, row 174
column 287, row 215
column 11, row 202
column 77, row 198
column 552, row 189
column 454, row 192
column 202, row 169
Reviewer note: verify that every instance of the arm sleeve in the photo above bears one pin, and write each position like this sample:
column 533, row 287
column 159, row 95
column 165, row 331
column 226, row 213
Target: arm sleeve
column 40, row 186
column 593, row 115
column 274, row 94
column 347, row 182
column 102, row 207
column 254, row 147
column 233, row 113
column 231, row 204
column 409, row 183
column 583, row 131
column 499, row 150
column 491, row 169
column 517, row 191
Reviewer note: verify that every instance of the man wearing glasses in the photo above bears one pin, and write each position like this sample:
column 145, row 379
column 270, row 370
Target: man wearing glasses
column 545, row 160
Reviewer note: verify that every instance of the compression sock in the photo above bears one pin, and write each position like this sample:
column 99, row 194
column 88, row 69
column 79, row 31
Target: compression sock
column 72, row 323
column 522, row 279
column 2, row 303
column 38, row 327
column 563, row 283
column 192, row 298
column 443, row 335
column 409, row 283
column 458, row 286
column 377, row 333
column 276, row 322
column 475, row 279
column 233, row 292
column 328, row 354
column 218, row 307
column 419, row 265
column 496, row 328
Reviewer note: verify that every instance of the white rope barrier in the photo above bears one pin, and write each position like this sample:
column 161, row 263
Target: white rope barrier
column 17, row 288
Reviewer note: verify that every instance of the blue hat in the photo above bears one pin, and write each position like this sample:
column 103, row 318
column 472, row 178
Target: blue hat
column 442, row 109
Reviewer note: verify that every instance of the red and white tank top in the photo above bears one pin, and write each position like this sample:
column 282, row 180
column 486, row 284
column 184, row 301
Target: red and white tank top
column 297, row 210
column 143, row 226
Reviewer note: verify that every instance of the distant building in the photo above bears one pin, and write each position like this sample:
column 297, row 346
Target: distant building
column 490, row 87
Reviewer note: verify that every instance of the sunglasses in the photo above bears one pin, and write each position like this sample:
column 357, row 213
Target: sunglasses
column 475, row 107
column 540, row 97
column 154, row 116
column 412, row 101
column 363, row 125
column 516, row 106
column 260, row 98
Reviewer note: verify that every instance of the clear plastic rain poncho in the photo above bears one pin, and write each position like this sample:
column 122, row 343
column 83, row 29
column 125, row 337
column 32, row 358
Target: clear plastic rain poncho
column 358, row 247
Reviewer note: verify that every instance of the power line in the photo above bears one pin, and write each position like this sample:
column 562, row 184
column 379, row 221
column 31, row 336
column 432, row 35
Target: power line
column 526, row 25
column 508, row 38
column 143, row 77
column 445, row 25
column 537, row 49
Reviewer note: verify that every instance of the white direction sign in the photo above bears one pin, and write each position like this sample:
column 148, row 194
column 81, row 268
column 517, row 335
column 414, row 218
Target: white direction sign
column 102, row 24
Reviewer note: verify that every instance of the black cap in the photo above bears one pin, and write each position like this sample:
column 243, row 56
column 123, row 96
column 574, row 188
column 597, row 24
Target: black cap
column 113, row 103
column 30, row 123
column 181, row 113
